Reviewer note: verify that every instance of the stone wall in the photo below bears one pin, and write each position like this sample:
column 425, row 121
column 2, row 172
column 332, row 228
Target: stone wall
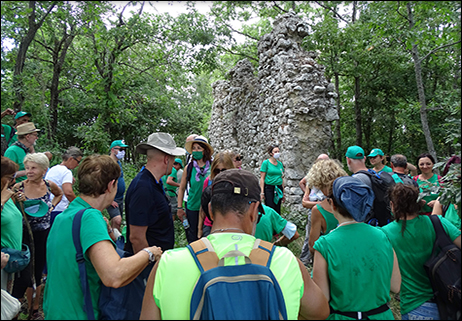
column 289, row 103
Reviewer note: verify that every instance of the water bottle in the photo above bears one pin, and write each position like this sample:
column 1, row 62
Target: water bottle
column 185, row 223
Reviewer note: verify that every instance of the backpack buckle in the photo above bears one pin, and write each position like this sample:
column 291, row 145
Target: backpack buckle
column 360, row 315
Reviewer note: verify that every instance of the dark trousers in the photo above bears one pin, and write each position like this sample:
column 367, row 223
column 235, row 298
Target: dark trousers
column 25, row 280
column 193, row 219
column 269, row 198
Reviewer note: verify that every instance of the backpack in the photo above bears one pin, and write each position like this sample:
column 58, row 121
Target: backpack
column 380, row 214
column 236, row 292
column 6, row 138
column 443, row 270
column 123, row 303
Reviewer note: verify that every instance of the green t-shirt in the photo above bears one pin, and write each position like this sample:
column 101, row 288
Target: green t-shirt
column 360, row 263
column 195, row 190
column 452, row 216
column 331, row 221
column 273, row 173
column 270, row 223
column 177, row 275
column 387, row 169
column 11, row 226
column 17, row 154
column 63, row 297
column 171, row 190
column 413, row 250
column 430, row 189
column 7, row 130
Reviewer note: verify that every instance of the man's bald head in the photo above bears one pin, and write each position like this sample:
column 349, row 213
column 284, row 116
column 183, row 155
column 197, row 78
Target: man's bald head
column 191, row 137
column 323, row 156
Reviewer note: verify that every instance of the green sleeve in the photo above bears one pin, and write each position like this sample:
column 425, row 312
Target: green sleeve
column 452, row 231
column 173, row 174
column 10, row 153
column 278, row 222
column 93, row 229
column 264, row 166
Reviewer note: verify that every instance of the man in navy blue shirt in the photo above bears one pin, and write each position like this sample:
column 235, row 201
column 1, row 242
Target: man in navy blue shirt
column 147, row 209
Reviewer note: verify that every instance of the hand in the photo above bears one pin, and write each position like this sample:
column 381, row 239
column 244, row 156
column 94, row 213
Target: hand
column 8, row 111
column 5, row 258
column 20, row 196
column 181, row 214
column 262, row 196
column 432, row 203
column 6, row 194
column 107, row 222
column 283, row 198
column 115, row 204
column 199, row 233
column 157, row 251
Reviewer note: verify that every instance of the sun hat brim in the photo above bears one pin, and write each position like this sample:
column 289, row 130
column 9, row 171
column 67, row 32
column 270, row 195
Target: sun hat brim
column 198, row 139
column 143, row 147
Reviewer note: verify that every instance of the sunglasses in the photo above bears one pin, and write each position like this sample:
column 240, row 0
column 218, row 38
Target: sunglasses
column 217, row 171
column 239, row 158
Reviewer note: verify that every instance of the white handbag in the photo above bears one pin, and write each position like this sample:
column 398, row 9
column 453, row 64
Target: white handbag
column 10, row 306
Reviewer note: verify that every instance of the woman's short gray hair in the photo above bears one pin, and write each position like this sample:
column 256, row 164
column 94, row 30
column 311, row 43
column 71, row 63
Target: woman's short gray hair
column 72, row 152
column 39, row 158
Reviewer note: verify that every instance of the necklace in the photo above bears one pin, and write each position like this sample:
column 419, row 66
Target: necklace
column 347, row 223
column 226, row 229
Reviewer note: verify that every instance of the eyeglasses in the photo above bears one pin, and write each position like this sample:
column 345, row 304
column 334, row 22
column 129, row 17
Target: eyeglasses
column 78, row 161
column 119, row 148
column 239, row 158
column 217, row 171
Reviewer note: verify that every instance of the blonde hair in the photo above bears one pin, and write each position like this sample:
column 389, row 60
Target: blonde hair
column 323, row 173
column 39, row 158
column 225, row 158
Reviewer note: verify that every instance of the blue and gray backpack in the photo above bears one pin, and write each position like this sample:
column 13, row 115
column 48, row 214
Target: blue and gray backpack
column 236, row 292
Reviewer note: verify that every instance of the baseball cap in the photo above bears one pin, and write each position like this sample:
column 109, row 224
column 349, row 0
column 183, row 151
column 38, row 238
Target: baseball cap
column 120, row 143
column 375, row 152
column 22, row 113
column 355, row 152
column 179, row 161
column 35, row 207
column 161, row 141
column 241, row 182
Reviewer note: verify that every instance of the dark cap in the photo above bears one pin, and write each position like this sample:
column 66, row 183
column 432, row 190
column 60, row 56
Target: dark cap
column 241, row 182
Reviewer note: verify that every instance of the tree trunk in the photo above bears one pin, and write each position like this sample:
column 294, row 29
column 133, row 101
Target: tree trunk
column 359, row 135
column 338, row 123
column 420, row 89
column 21, row 57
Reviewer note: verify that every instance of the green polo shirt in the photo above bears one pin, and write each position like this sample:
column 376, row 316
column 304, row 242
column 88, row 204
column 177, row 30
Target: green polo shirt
column 273, row 172
column 11, row 226
column 270, row 223
column 17, row 154
column 63, row 297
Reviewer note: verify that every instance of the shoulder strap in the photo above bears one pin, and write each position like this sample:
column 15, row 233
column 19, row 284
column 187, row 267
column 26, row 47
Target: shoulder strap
column 262, row 252
column 397, row 179
column 442, row 239
column 87, row 305
column 47, row 183
column 204, row 255
column 189, row 172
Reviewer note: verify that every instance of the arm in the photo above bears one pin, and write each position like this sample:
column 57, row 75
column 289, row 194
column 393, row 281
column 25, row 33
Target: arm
column 395, row 275
column 313, row 304
column 283, row 240
column 114, row 271
column 412, row 169
column 68, row 191
column 57, row 192
column 262, row 185
column 8, row 111
column 181, row 213
column 200, row 223
column 457, row 241
column 315, row 231
column 171, row 182
column 306, row 203
column 138, row 237
column 150, row 310
column 320, row 275
column 302, row 185
column 437, row 208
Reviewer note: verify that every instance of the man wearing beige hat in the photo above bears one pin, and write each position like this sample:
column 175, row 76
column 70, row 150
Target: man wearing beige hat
column 27, row 136
column 147, row 210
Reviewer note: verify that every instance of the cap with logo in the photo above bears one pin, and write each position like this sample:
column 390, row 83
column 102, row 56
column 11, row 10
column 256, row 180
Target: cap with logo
column 375, row 152
column 355, row 152
column 241, row 182
column 120, row 143
column 21, row 114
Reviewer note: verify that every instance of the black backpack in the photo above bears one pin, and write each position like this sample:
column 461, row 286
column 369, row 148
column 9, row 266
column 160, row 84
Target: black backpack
column 380, row 214
column 443, row 270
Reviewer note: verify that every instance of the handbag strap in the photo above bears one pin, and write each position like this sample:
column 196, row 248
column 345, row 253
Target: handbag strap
column 87, row 304
column 442, row 239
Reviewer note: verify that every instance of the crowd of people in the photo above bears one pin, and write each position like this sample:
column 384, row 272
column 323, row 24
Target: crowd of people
column 231, row 218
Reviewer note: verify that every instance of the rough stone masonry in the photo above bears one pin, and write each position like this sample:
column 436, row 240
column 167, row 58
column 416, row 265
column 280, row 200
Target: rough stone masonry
column 289, row 103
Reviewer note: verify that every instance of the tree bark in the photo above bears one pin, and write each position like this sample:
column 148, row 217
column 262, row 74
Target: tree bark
column 359, row 135
column 21, row 56
column 420, row 89
column 338, row 123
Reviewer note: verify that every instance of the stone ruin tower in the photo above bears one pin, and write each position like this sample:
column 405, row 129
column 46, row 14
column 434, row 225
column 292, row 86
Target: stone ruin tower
column 289, row 103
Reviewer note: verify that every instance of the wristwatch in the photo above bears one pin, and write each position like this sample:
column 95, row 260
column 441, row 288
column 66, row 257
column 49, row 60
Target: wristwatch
column 152, row 258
